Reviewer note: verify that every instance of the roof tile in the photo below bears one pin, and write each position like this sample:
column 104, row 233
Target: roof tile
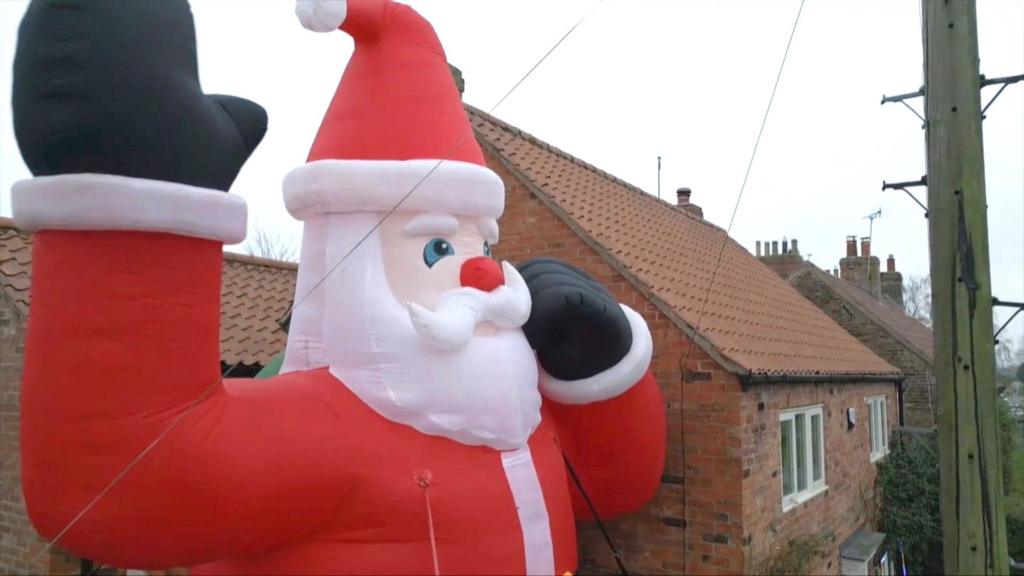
column 744, row 309
column 892, row 318
column 255, row 296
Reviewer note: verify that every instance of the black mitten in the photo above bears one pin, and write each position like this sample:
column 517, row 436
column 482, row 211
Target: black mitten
column 111, row 87
column 576, row 326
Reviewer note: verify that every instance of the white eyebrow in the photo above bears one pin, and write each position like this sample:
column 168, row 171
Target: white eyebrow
column 488, row 229
column 431, row 224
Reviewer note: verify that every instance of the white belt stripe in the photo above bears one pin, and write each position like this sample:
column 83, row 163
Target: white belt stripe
column 533, row 513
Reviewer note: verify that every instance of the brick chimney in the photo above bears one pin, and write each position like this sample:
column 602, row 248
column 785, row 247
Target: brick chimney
column 863, row 270
column 783, row 263
column 460, row 83
column 683, row 201
column 892, row 282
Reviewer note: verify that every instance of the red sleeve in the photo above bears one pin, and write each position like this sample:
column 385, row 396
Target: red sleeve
column 616, row 447
column 122, row 340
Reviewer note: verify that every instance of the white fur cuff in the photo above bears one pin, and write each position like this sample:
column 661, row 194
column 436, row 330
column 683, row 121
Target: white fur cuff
column 109, row 202
column 613, row 381
column 321, row 15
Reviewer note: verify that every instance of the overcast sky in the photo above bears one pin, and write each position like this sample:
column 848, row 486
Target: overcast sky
column 684, row 79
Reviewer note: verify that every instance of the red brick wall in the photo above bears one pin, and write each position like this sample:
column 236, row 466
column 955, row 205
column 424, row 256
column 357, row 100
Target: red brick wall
column 652, row 540
column 21, row 549
column 849, row 473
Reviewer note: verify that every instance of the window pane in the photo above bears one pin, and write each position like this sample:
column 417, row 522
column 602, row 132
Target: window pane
column 874, row 426
column 816, row 446
column 800, row 421
column 871, row 424
column 787, row 457
column 885, row 424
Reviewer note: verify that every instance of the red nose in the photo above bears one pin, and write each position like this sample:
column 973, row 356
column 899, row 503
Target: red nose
column 481, row 273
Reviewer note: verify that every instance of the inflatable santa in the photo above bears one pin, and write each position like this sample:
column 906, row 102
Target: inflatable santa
column 430, row 398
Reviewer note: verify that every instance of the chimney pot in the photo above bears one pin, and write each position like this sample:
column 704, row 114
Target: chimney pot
column 865, row 247
column 683, row 196
column 785, row 246
column 460, row 83
column 792, row 246
column 758, row 248
column 775, row 247
column 851, row 246
column 890, row 264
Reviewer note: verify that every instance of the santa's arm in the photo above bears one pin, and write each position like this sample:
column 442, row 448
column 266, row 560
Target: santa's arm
column 616, row 448
column 129, row 439
column 595, row 355
column 122, row 374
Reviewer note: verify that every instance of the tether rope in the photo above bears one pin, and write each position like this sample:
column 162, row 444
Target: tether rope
column 718, row 263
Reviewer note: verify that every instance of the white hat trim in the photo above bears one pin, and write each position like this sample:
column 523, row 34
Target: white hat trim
column 110, row 202
column 441, row 186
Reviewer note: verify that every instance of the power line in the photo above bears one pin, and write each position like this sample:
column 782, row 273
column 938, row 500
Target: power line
column 718, row 263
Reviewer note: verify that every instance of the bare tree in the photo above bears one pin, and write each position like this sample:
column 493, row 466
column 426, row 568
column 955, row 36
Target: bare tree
column 917, row 298
column 264, row 244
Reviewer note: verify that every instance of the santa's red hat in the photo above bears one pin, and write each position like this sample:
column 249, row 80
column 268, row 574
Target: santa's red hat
column 396, row 123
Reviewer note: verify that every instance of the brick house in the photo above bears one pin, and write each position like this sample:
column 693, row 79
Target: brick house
column 759, row 394
column 255, row 296
column 868, row 304
column 762, row 365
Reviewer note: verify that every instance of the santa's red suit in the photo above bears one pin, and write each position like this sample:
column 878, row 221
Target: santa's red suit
column 310, row 471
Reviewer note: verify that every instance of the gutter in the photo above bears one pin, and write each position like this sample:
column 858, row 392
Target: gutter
column 747, row 380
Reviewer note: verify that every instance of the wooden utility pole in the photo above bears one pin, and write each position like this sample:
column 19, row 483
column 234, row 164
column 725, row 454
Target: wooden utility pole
column 974, row 535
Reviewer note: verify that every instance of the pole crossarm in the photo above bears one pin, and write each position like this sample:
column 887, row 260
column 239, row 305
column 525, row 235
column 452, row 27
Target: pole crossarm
column 908, row 184
column 1002, row 303
column 1004, row 82
column 902, row 99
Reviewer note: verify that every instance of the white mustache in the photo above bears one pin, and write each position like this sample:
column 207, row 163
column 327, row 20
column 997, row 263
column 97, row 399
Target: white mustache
column 451, row 324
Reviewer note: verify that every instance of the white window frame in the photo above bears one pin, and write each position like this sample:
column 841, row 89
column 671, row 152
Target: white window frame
column 878, row 427
column 813, row 487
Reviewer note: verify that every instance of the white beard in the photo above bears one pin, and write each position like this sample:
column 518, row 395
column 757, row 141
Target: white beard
column 483, row 393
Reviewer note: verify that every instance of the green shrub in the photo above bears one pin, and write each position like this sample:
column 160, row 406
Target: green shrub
column 1010, row 449
column 794, row 557
column 908, row 480
column 1014, row 506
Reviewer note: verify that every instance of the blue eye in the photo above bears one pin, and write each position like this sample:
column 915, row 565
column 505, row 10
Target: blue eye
column 487, row 249
column 435, row 250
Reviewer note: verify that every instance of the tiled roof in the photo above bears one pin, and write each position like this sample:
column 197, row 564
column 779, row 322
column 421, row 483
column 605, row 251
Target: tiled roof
column 15, row 262
column 753, row 318
column 886, row 313
column 255, row 295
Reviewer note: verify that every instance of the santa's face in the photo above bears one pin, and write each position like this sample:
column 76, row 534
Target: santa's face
column 424, row 253
column 426, row 329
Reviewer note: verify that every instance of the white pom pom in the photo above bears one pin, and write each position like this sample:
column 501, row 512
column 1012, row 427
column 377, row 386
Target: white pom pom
column 321, row 15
